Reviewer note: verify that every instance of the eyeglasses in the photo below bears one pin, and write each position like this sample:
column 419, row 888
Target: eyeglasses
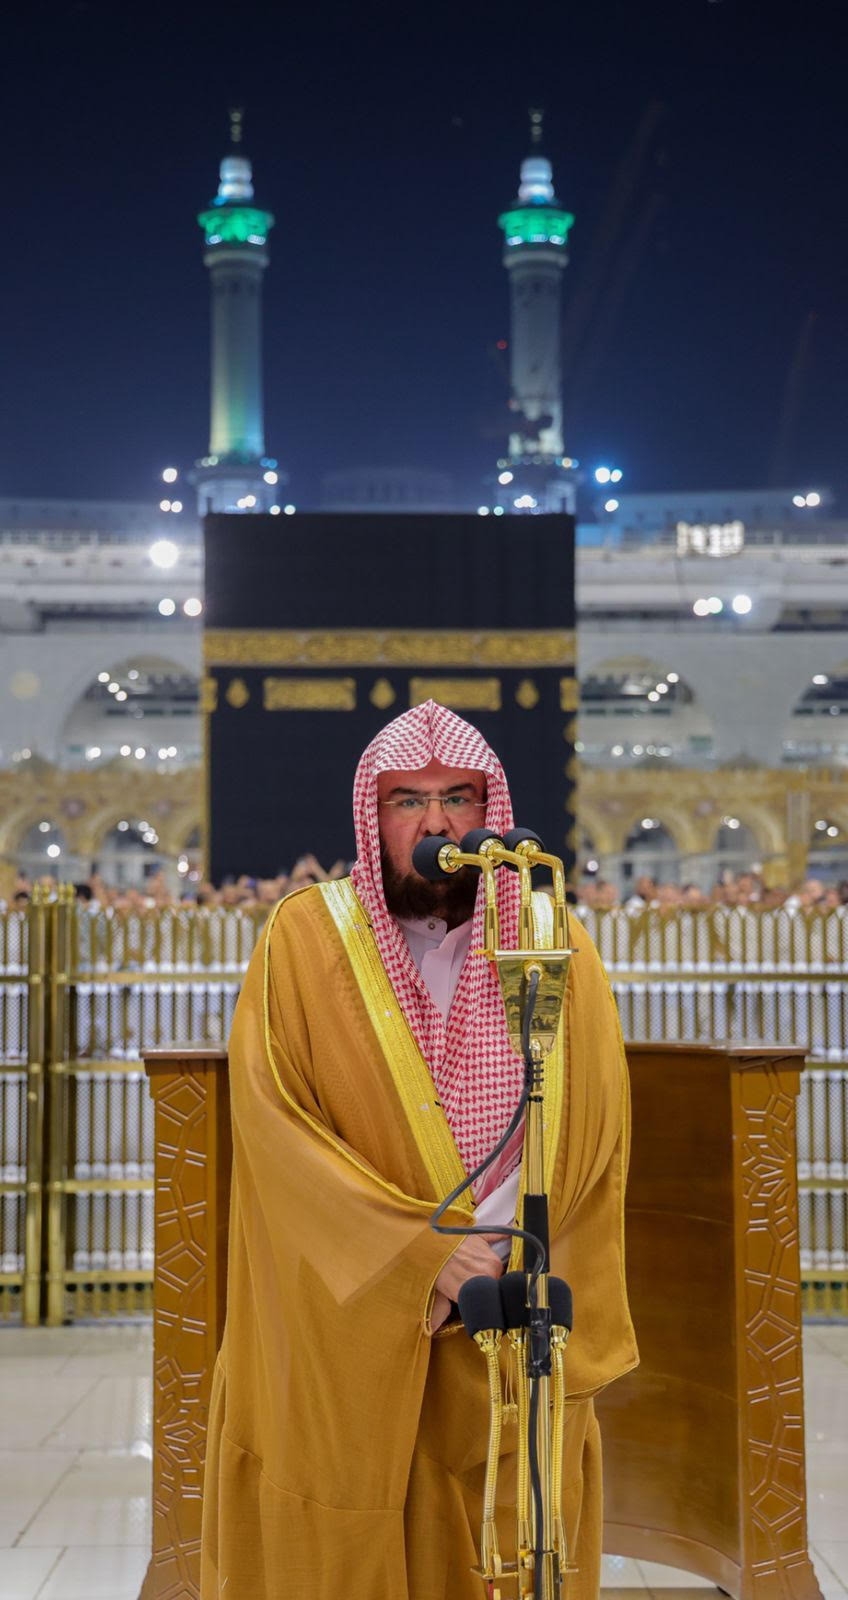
column 453, row 805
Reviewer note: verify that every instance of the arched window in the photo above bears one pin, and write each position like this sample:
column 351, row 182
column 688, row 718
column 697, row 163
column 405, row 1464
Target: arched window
column 818, row 727
column 128, row 855
column 650, row 850
column 736, row 847
column 189, row 861
column 637, row 711
column 43, row 850
column 144, row 709
column 828, row 857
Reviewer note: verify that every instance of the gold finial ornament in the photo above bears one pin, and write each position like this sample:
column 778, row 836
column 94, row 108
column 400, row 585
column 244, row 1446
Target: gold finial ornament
column 527, row 695
column 383, row 694
column 237, row 694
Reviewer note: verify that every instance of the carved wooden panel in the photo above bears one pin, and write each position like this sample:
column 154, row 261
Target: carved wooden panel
column 769, row 1334
column 191, row 1135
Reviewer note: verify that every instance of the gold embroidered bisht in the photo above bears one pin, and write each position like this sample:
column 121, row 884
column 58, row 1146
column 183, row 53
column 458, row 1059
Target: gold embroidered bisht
column 347, row 1443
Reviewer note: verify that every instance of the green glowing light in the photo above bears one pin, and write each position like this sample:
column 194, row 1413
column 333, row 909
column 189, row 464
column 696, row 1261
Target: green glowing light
column 536, row 225
column 235, row 225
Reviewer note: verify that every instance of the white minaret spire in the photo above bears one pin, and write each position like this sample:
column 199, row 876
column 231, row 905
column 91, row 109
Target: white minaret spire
column 234, row 475
column 535, row 236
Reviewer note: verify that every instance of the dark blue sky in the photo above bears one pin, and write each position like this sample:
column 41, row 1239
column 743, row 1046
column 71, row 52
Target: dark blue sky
column 702, row 145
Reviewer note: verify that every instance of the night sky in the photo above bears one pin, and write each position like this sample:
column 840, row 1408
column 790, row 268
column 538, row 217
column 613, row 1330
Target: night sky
column 702, row 145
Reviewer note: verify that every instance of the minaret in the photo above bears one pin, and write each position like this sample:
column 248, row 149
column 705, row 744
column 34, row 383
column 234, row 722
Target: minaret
column 535, row 256
column 233, row 476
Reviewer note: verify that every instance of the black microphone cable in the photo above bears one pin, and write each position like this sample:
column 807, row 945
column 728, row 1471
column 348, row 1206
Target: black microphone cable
column 530, row 1080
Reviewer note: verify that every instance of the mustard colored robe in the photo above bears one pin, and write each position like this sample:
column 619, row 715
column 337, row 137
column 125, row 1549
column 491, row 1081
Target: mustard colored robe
column 347, row 1443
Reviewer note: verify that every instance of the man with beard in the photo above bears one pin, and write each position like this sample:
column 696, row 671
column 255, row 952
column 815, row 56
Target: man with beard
column 370, row 1069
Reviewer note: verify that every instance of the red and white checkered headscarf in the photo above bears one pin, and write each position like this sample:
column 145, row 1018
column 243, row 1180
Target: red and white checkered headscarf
column 476, row 1073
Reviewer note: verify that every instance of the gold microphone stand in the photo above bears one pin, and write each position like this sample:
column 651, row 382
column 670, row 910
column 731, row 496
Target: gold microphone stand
column 532, row 983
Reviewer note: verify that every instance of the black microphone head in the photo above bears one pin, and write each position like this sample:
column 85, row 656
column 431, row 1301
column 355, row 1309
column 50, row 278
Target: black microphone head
column 560, row 1302
column 513, row 1287
column 471, row 842
column 425, row 857
column 480, row 1305
column 517, row 836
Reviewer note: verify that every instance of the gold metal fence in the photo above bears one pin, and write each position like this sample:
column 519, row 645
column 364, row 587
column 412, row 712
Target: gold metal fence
column 773, row 976
column 83, row 992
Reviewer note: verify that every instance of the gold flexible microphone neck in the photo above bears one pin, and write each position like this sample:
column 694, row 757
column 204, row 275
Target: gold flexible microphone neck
column 435, row 856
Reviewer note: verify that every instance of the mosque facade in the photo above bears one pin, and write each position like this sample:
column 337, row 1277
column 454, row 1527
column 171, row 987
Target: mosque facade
column 711, row 626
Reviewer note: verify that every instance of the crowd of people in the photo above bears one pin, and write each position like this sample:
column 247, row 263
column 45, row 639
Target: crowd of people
column 744, row 889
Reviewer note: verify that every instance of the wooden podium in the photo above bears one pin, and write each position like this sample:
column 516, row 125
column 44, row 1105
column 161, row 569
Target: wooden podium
column 703, row 1444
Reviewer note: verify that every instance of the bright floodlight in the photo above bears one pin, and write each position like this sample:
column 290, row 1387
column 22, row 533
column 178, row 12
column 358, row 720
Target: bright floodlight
column 164, row 553
column 92, row 752
column 126, row 750
column 176, row 505
column 167, row 607
column 275, row 510
column 610, row 505
column 701, row 608
column 616, row 475
column 813, row 499
column 652, row 695
column 504, row 477
column 482, row 511
column 289, row 510
column 798, row 500
column 54, row 850
column 715, row 605
column 270, row 477
column 140, row 753
column 170, row 475
column 742, row 604
column 602, row 474
column 121, row 694
column 193, row 607
column 820, row 678
column 673, row 677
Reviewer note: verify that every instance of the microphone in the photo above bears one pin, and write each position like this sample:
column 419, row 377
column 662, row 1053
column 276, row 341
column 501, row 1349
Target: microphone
column 526, row 844
column 434, row 858
column 437, row 855
column 524, row 836
column 480, row 1305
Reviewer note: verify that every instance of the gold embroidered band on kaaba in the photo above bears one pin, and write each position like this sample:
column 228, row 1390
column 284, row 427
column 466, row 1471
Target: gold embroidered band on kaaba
column 366, row 647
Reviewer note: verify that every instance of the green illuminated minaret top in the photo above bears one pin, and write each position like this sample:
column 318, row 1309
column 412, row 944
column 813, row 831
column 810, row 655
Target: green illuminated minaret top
column 537, row 216
column 535, row 254
column 228, row 220
column 235, row 228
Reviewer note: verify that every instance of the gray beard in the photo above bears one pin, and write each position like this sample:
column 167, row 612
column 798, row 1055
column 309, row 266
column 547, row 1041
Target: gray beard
column 411, row 896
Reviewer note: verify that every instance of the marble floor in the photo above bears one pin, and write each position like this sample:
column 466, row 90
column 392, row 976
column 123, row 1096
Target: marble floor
column 75, row 1453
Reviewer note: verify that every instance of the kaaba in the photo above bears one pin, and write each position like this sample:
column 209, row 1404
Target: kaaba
column 322, row 626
